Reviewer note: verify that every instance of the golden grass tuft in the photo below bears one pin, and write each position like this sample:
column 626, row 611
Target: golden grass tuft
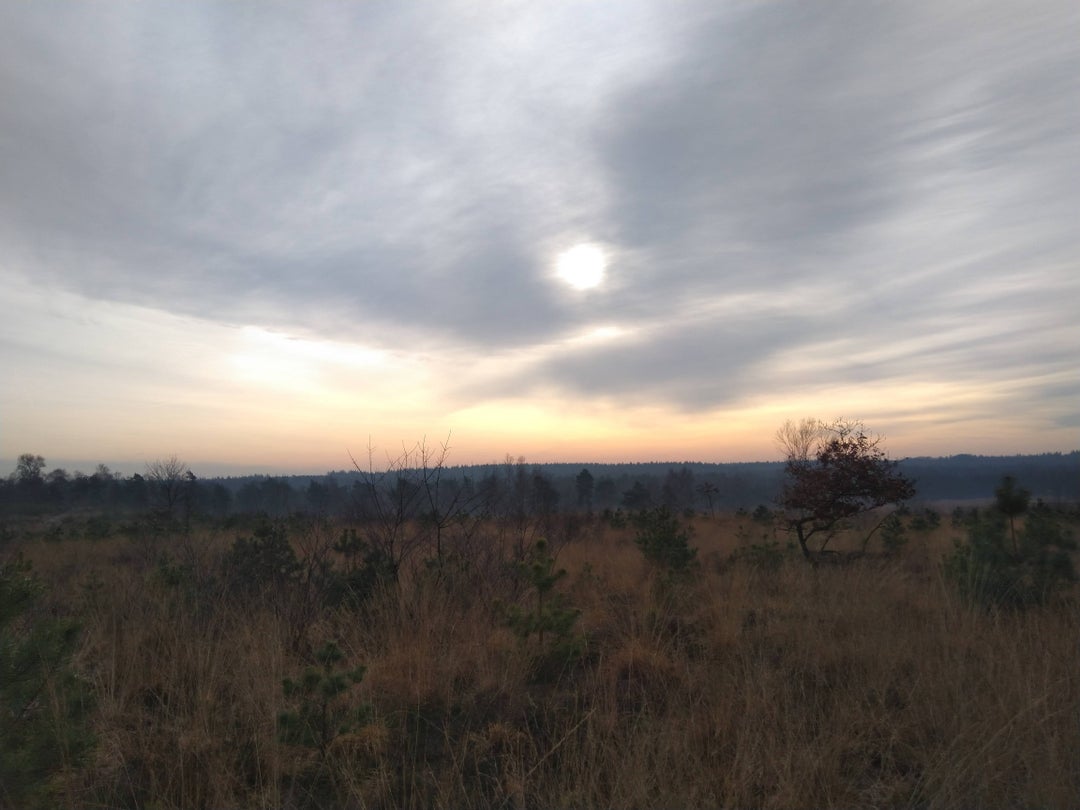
column 742, row 685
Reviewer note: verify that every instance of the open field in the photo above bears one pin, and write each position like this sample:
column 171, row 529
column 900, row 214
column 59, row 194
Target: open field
column 756, row 680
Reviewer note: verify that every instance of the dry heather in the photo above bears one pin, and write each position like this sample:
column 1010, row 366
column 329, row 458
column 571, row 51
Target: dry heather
column 753, row 682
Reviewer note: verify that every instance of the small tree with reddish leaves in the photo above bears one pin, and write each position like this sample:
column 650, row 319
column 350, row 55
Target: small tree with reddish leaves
column 834, row 472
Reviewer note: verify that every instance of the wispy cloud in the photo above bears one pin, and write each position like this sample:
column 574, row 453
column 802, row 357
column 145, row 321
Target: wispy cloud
column 798, row 202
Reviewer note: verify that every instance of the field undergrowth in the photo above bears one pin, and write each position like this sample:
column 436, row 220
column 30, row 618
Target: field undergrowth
column 752, row 679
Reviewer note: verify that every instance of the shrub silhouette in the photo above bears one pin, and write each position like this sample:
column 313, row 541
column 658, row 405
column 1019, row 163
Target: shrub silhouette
column 261, row 562
column 663, row 539
column 43, row 704
column 1011, row 502
column 1013, row 570
column 318, row 716
column 766, row 555
column 762, row 514
column 366, row 568
column 893, row 534
column 925, row 521
column 549, row 616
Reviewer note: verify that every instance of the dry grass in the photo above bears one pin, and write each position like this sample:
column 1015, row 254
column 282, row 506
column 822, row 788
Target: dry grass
column 866, row 686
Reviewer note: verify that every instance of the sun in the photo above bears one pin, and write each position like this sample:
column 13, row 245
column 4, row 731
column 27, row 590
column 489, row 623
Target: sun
column 582, row 266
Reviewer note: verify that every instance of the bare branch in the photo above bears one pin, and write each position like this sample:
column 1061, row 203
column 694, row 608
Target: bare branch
column 799, row 441
column 170, row 480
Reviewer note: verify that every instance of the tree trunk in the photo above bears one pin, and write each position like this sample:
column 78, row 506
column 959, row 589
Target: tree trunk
column 802, row 542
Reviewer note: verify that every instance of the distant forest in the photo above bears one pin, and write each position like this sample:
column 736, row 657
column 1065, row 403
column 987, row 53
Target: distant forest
column 171, row 488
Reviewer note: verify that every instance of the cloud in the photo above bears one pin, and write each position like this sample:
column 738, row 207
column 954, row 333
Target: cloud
column 792, row 196
column 374, row 167
column 906, row 158
column 764, row 132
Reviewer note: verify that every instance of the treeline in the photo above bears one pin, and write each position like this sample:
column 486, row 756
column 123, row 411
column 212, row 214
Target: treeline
column 32, row 490
column 426, row 485
column 171, row 490
column 1053, row 477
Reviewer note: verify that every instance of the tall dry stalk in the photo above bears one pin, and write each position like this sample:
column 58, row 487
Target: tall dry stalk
column 739, row 686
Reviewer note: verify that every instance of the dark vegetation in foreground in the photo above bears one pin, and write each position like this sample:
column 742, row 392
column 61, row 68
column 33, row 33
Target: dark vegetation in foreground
column 428, row 653
column 434, row 640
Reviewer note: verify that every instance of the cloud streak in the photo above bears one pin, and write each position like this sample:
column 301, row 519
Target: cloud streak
column 795, row 200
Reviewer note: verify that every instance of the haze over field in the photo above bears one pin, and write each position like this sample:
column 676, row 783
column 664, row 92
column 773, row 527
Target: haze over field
column 256, row 235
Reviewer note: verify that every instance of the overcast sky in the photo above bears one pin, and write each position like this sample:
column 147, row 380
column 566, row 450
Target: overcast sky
column 261, row 236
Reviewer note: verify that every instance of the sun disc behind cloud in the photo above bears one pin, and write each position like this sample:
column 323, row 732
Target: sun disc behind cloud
column 582, row 266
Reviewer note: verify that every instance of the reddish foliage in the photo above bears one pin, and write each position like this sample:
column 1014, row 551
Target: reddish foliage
column 849, row 475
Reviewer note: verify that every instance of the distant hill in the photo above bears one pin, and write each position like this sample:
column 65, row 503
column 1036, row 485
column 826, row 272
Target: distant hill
column 1050, row 476
column 519, row 487
column 1054, row 477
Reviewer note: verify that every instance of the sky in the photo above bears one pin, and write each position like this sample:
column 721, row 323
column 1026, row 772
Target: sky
column 264, row 237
